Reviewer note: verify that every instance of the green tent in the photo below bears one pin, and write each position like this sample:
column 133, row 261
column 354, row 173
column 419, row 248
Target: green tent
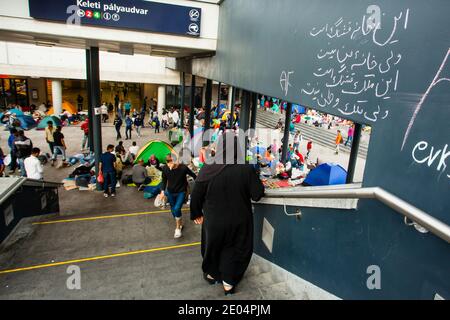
column 43, row 123
column 158, row 148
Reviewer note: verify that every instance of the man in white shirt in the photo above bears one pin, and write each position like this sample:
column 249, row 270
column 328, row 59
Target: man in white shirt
column 176, row 118
column 134, row 149
column 104, row 110
column 165, row 121
column 33, row 166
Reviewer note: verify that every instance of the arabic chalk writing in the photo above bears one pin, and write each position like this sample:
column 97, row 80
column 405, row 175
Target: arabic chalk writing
column 358, row 70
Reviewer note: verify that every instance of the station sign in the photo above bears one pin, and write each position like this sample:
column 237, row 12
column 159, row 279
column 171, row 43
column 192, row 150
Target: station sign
column 122, row 14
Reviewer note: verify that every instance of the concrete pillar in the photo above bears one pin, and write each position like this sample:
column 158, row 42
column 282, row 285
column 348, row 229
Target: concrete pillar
column 161, row 99
column 286, row 135
column 192, row 108
column 230, row 96
column 354, row 153
column 57, row 96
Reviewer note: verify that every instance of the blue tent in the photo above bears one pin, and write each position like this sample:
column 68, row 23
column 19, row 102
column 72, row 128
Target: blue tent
column 26, row 122
column 326, row 174
column 16, row 112
column 258, row 150
column 300, row 109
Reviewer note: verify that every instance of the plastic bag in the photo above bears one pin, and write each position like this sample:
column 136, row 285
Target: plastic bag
column 160, row 201
column 100, row 178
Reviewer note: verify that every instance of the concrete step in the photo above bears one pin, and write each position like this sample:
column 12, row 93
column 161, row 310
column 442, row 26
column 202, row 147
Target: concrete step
column 271, row 119
column 317, row 135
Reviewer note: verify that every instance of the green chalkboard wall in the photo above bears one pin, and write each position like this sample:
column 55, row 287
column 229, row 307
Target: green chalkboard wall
column 384, row 63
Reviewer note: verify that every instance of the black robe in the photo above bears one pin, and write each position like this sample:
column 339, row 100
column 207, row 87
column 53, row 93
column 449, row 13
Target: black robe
column 227, row 232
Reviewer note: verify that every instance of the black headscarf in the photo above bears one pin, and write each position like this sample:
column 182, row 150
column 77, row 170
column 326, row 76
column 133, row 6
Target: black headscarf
column 217, row 159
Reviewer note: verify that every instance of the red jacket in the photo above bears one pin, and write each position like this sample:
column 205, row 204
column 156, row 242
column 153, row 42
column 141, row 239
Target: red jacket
column 85, row 127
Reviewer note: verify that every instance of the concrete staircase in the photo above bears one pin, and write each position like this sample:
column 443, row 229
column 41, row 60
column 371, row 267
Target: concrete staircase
column 320, row 136
column 171, row 274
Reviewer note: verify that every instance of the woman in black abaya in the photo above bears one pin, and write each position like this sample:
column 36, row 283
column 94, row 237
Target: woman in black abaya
column 221, row 201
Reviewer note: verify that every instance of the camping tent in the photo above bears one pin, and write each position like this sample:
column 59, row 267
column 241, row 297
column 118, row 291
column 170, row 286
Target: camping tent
column 258, row 150
column 300, row 109
column 226, row 114
column 26, row 122
column 65, row 106
column 326, row 174
column 43, row 123
column 17, row 112
column 158, row 148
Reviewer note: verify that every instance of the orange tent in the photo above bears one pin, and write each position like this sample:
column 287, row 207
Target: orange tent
column 65, row 106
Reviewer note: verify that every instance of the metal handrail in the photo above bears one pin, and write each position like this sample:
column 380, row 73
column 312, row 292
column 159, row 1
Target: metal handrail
column 422, row 218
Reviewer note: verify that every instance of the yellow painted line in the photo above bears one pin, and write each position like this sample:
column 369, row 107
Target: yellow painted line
column 104, row 217
column 110, row 256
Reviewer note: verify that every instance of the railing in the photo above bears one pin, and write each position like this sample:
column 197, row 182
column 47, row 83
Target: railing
column 420, row 217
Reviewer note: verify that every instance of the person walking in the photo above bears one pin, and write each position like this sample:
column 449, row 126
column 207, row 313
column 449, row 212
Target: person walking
column 118, row 124
column 22, row 148
column 144, row 111
column 308, row 149
column 165, row 121
column 175, row 118
column 104, row 111
column 120, row 111
column 350, row 133
column 33, row 166
column 338, row 141
column 221, row 203
column 128, row 127
column 49, row 131
column 85, row 128
column 108, row 168
column 138, row 124
column 116, row 102
column 127, row 108
column 80, row 100
column 140, row 176
column 297, row 140
column 174, row 186
column 157, row 123
column 59, row 145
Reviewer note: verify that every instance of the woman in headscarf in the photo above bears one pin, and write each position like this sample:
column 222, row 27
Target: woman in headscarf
column 153, row 161
column 221, row 202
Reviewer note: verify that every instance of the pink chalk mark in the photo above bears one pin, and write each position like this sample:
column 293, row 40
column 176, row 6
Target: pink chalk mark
column 436, row 80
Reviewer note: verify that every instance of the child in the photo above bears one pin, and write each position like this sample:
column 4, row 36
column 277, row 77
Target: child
column 157, row 123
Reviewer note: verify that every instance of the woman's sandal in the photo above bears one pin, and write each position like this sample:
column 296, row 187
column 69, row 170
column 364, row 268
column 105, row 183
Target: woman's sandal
column 229, row 292
column 211, row 281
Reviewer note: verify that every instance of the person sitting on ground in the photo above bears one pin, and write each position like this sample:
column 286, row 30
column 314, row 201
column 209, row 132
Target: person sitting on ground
column 119, row 167
column 134, row 150
column 279, row 124
column 125, row 156
column 33, row 165
column 297, row 160
column 140, row 175
column 153, row 161
column 120, row 148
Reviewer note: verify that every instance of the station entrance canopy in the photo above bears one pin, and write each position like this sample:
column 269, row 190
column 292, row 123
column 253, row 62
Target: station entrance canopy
column 124, row 14
column 124, row 26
